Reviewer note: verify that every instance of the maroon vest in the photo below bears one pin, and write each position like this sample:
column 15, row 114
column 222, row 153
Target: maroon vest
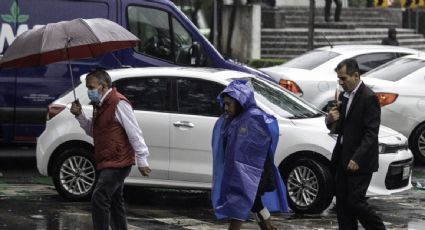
column 111, row 146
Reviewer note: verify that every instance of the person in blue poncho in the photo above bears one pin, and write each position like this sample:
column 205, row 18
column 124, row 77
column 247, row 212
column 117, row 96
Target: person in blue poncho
column 245, row 178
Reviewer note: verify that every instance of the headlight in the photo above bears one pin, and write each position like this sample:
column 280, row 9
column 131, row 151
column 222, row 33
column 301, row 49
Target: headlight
column 385, row 148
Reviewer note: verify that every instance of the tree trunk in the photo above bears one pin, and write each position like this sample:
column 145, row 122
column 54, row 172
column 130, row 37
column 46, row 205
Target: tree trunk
column 236, row 5
column 311, row 25
column 219, row 25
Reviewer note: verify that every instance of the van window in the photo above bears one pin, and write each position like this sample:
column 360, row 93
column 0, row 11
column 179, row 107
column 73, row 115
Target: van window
column 154, row 28
column 148, row 94
column 183, row 42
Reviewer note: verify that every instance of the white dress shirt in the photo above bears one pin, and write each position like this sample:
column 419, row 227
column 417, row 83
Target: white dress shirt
column 350, row 96
column 125, row 116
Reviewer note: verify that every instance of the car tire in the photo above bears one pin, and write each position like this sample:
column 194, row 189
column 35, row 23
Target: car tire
column 309, row 186
column 74, row 174
column 417, row 142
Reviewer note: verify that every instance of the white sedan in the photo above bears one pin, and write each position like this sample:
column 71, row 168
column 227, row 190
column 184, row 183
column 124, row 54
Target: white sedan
column 312, row 75
column 177, row 108
column 401, row 85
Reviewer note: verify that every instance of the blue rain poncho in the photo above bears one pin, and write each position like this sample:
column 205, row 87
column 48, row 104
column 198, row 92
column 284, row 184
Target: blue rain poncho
column 238, row 166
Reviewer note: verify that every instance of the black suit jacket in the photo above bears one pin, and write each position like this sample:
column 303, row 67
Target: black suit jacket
column 359, row 130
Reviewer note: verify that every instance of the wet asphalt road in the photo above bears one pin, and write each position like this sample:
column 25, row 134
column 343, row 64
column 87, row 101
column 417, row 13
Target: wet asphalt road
column 28, row 201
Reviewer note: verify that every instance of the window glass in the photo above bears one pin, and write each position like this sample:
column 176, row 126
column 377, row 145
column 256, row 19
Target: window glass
column 182, row 43
column 370, row 61
column 151, row 26
column 150, row 94
column 281, row 101
column 198, row 97
column 311, row 59
column 402, row 54
column 397, row 69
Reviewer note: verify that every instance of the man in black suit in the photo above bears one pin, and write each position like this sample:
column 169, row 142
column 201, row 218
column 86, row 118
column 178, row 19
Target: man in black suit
column 355, row 156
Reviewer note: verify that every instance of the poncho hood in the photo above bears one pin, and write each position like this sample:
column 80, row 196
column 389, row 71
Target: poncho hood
column 241, row 92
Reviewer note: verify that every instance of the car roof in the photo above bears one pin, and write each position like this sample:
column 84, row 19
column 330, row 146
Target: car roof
column 192, row 72
column 366, row 49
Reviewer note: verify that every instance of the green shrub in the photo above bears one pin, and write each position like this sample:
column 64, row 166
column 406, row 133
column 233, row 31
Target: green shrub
column 261, row 63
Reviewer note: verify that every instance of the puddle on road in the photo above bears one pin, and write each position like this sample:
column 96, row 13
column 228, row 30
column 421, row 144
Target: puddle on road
column 43, row 214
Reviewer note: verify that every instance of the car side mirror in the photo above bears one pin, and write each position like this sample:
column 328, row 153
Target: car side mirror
column 195, row 54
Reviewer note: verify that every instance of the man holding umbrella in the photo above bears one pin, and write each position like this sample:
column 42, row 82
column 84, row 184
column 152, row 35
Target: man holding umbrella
column 116, row 134
column 118, row 141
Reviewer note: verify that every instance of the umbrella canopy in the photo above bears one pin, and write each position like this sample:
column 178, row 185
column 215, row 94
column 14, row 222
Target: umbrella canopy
column 67, row 40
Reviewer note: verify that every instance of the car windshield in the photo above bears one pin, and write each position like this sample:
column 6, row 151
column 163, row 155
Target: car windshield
column 397, row 69
column 311, row 59
column 281, row 101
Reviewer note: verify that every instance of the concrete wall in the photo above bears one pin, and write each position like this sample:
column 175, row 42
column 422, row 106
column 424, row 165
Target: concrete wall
column 246, row 42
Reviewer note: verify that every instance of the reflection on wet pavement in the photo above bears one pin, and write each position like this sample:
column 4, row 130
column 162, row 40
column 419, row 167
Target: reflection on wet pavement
column 13, row 190
column 153, row 209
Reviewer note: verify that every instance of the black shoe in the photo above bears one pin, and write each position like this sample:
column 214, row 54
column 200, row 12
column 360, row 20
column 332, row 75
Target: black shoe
column 327, row 19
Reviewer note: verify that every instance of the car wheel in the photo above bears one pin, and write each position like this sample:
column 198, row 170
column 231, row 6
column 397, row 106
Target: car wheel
column 417, row 143
column 309, row 186
column 74, row 174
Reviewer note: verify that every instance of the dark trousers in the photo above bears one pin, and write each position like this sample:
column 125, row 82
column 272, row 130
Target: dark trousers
column 108, row 207
column 351, row 203
column 258, row 204
column 338, row 4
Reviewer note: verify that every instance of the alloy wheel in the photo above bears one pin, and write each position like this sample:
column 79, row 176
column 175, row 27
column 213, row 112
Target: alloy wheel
column 77, row 175
column 302, row 186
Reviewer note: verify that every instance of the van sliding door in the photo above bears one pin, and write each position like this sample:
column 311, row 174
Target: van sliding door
column 8, row 76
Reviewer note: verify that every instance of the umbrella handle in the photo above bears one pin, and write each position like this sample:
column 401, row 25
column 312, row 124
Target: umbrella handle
column 69, row 66
column 72, row 79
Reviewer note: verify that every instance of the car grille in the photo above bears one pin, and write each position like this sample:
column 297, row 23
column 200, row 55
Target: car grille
column 394, row 178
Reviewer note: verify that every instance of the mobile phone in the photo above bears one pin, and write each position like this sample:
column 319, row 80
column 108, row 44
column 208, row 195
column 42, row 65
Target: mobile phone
column 332, row 104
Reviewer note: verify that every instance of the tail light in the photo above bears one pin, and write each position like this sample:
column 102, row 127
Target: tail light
column 53, row 110
column 291, row 86
column 386, row 98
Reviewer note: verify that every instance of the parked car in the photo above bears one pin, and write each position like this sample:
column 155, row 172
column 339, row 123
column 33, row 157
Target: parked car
column 177, row 108
column 167, row 38
column 312, row 75
column 400, row 85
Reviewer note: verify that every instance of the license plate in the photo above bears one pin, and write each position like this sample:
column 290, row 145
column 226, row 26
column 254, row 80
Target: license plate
column 406, row 172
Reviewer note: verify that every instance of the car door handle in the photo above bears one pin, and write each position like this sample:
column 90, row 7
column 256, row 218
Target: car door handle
column 185, row 124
